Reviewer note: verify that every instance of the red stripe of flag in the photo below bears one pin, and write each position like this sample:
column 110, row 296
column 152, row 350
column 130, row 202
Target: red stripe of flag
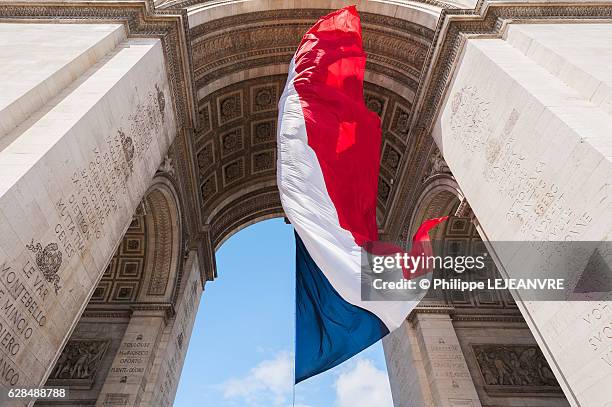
column 330, row 66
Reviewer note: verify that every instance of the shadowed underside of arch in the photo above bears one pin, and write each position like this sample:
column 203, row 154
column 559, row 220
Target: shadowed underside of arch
column 145, row 266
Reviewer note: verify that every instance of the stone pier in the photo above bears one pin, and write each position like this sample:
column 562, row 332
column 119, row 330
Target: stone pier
column 525, row 130
column 86, row 119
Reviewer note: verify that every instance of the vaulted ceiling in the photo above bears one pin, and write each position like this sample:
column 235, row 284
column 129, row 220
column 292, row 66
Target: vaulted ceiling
column 240, row 65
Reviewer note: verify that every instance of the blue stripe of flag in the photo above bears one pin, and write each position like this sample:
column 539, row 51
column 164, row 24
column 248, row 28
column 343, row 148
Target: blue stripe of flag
column 329, row 330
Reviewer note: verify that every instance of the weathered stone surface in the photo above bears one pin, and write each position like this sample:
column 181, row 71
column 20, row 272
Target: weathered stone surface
column 529, row 146
column 72, row 176
column 34, row 71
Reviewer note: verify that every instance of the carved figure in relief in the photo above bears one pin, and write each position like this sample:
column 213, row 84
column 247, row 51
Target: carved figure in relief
column 48, row 261
column 61, row 365
column 79, row 360
column 127, row 144
column 545, row 373
column 513, row 366
column 161, row 101
column 437, row 163
column 167, row 166
column 503, row 371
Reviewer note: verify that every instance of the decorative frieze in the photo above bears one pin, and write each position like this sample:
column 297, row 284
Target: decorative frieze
column 78, row 363
column 516, row 368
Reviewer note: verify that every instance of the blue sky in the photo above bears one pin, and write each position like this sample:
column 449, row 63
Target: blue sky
column 240, row 354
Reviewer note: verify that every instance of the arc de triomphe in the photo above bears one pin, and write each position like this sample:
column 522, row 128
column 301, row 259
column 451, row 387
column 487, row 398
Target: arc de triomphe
column 137, row 136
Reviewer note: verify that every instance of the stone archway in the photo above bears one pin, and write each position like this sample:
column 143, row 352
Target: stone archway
column 144, row 267
column 208, row 76
column 223, row 173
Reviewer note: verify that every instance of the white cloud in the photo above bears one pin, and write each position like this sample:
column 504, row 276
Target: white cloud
column 363, row 386
column 267, row 384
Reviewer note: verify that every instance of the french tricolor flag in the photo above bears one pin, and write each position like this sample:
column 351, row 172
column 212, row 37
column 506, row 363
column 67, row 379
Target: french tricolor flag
column 328, row 166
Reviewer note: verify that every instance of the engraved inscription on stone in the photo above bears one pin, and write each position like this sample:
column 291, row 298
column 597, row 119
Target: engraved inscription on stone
column 598, row 323
column 133, row 357
column 22, row 312
column 98, row 186
column 94, row 193
column 539, row 204
column 116, row 399
column 171, row 366
column 469, row 122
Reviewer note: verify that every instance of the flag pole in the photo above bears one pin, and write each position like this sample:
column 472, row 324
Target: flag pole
column 294, row 328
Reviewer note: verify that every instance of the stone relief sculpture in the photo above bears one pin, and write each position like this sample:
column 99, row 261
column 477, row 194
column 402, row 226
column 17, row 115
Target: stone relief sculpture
column 48, row 261
column 128, row 150
column 167, row 166
column 437, row 164
column 161, row 101
column 80, row 360
column 522, row 366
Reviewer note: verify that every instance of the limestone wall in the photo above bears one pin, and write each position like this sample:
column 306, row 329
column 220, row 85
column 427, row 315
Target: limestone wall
column 163, row 383
column 90, row 119
column 525, row 129
column 405, row 367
